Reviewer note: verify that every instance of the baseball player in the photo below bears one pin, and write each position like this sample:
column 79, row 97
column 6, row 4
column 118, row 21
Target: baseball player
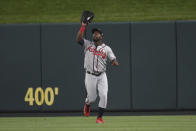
column 96, row 55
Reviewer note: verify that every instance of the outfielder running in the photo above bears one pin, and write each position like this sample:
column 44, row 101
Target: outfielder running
column 96, row 55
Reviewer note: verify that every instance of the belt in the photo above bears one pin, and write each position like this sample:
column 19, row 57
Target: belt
column 94, row 73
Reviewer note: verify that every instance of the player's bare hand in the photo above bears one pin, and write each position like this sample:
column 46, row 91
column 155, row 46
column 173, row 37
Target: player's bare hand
column 115, row 63
column 84, row 24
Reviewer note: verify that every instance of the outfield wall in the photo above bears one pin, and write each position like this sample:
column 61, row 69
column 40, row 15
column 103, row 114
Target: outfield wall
column 42, row 66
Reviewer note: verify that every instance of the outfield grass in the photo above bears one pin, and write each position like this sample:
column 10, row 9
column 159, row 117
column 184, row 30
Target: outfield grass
column 46, row 11
column 112, row 123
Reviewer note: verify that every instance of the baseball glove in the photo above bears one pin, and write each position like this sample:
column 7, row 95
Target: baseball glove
column 87, row 17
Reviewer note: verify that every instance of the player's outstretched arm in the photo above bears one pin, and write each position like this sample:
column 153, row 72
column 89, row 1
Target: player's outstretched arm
column 81, row 32
column 114, row 62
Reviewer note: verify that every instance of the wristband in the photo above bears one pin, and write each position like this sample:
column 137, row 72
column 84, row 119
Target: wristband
column 82, row 29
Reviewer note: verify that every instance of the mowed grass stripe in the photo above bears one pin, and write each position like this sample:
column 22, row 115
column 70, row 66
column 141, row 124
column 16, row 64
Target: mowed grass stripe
column 47, row 11
column 112, row 123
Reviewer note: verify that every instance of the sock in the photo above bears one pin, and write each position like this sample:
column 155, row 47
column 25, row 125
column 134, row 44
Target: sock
column 100, row 112
column 88, row 107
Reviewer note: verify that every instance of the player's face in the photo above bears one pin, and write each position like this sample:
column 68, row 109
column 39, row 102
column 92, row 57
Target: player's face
column 97, row 36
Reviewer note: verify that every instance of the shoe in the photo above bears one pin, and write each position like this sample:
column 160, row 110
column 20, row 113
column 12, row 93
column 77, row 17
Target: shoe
column 99, row 120
column 86, row 110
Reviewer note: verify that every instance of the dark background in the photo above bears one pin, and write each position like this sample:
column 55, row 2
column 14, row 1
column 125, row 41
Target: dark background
column 156, row 71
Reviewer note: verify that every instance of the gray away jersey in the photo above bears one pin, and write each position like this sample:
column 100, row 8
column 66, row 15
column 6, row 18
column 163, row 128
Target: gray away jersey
column 95, row 59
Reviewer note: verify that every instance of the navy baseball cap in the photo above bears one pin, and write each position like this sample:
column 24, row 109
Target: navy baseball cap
column 98, row 30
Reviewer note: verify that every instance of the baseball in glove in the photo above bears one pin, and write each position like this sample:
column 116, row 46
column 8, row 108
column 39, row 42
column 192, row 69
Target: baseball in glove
column 87, row 17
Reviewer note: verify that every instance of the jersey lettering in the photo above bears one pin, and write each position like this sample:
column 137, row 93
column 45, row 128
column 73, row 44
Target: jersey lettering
column 98, row 53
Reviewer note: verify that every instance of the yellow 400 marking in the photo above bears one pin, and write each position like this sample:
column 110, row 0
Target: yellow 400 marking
column 44, row 96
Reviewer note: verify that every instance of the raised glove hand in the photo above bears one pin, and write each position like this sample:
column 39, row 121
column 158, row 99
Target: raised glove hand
column 87, row 17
